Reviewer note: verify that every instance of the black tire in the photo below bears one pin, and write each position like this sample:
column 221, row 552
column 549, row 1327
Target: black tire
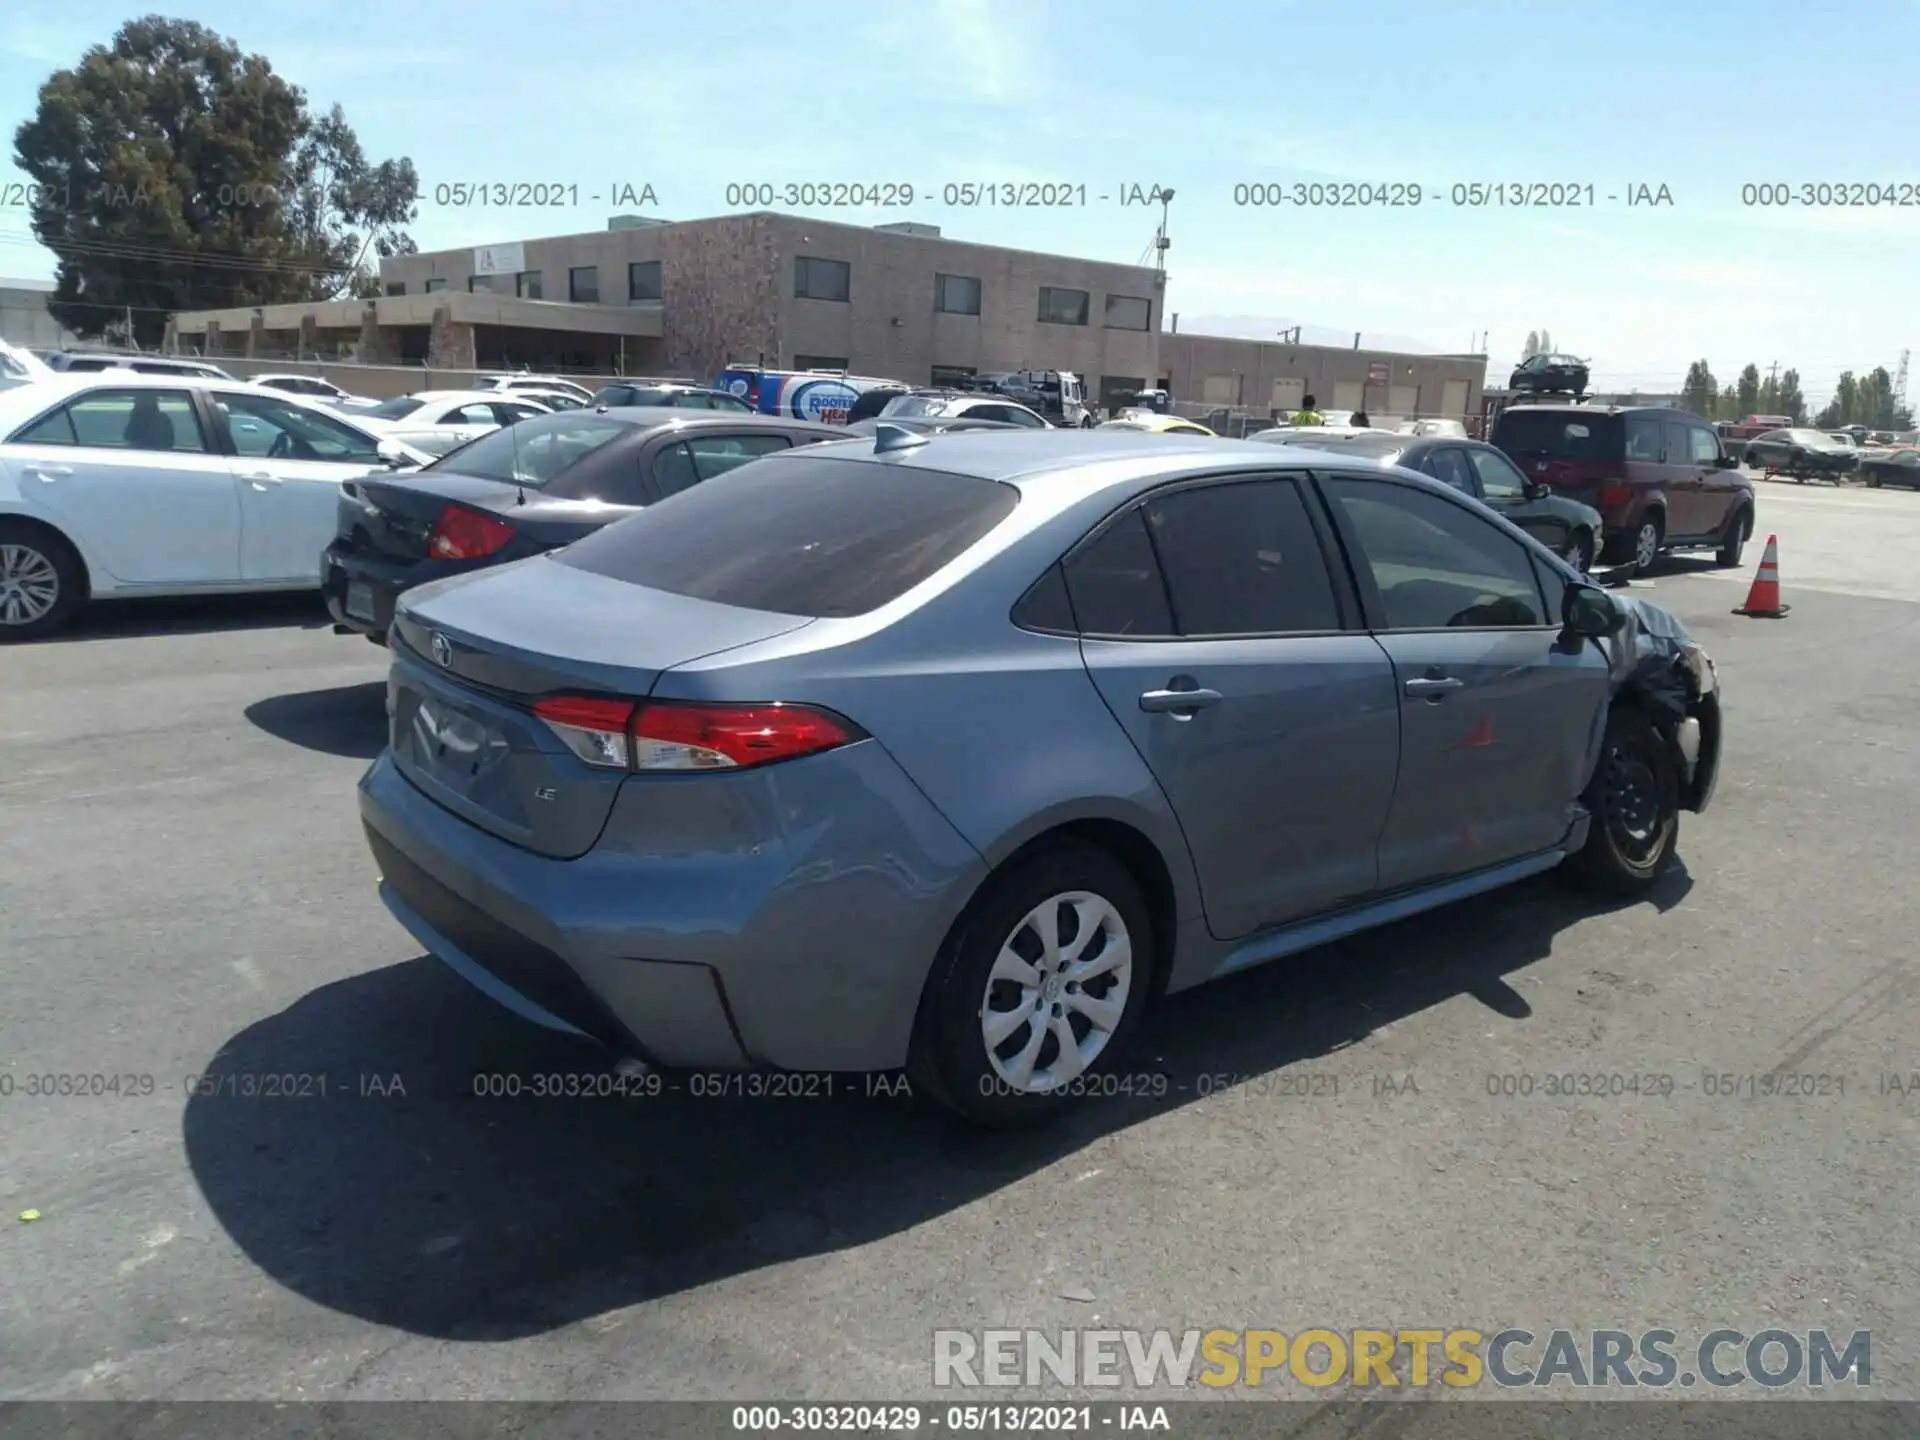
column 33, row 550
column 1652, row 521
column 1734, row 538
column 1634, row 799
column 1873, row 480
column 949, row 1057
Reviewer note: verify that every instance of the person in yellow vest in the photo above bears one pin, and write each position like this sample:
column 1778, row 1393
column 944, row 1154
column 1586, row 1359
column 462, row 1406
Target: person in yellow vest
column 1308, row 415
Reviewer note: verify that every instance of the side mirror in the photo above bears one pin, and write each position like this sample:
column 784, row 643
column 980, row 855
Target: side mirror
column 1589, row 611
column 392, row 455
column 1728, row 462
column 1537, row 491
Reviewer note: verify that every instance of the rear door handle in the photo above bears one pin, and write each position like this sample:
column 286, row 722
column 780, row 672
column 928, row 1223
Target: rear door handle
column 1433, row 687
column 49, row 472
column 1176, row 701
column 261, row 480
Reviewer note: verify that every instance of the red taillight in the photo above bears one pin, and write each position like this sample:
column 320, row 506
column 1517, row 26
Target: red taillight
column 676, row 735
column 670, row 735
column 1615, row 495
column 595, row 730
column 463, row 534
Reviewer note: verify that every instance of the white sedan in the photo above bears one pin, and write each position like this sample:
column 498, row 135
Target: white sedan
column 514, row 384
column 438, row 421
column 114, row 484
column 312, row 387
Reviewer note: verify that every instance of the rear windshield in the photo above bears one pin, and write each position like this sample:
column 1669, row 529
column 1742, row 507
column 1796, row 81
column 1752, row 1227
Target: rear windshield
column 396, row 409
column 533, row 452
column 918, row 405
column 1559, row 435
column 800, row 534
column 1374, row 446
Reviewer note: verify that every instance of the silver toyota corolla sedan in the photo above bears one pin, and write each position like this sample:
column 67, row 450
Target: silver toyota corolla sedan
column 956, row 752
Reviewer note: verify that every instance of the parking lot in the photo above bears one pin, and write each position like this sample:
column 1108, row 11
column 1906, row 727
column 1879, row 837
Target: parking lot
column 1363, row 1137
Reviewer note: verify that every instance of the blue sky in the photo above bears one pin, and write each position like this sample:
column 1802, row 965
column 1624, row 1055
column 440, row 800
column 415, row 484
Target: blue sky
column 1201, row 97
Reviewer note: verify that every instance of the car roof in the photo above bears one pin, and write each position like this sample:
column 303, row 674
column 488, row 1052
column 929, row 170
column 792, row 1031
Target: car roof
column 434, row 395
column 65, row 382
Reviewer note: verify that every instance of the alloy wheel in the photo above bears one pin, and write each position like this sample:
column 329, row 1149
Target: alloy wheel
column 1056, row 992
column 29, row 584
column 1646, row 544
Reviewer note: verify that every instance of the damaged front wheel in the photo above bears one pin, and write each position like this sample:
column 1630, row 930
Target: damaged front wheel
column 1634, row 799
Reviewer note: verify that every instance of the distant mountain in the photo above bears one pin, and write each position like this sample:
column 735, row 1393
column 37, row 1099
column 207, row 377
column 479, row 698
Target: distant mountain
column 1268, row 327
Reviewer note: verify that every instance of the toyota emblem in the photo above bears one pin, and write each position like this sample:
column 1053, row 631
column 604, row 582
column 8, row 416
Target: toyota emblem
column 442, row 650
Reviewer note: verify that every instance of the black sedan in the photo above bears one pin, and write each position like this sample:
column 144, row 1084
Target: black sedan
column 667, row 394
column 1562, row 524
column 1550, row 375
column 526, row 489
column 1803, row 454
column 1891, row 467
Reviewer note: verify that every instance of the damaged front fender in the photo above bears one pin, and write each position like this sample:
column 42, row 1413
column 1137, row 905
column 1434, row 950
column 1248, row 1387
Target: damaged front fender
column 1655, row 664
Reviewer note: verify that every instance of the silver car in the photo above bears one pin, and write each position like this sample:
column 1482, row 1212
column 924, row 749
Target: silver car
column 957, row 752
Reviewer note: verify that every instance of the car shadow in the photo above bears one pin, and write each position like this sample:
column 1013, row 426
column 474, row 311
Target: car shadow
column 389, row 1175
column 191, row 615
column 345, row 720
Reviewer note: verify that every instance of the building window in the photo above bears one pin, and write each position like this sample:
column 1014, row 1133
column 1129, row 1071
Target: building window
column 479, row 284
column 952, row 377
column 819, row 362
column 956, row 294
column 583, row 284
column 396, row 287
column 1062, row 307
column 821, row 279
column 1129, row 312
column 434, row 287
column 527, row 285
column 643, row 280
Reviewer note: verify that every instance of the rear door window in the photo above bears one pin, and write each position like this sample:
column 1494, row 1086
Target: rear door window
column 1644, row 440
column 1115, row 583
column 1450, row 467
column 717, row 454
column 1242, row 558
column 803, row 534
column 1678, row 449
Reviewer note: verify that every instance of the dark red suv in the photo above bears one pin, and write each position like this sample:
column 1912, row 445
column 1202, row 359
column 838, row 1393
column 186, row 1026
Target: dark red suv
column 1658, row 477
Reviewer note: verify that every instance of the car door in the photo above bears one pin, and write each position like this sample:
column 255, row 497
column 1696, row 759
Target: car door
column 1498, row 708
column 1720, row 491
column 132, row 475
column 1684, row 480
column 289, row 460
column 1215, row 630
column 1501, row 487
column 511, row 412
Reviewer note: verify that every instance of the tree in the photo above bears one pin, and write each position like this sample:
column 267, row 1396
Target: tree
column 1747, row 392
column 1533, row 345
column 176, row 173
column 1789, row 401
column 1699, row 392
column 1726, row 405
column 1546, row 343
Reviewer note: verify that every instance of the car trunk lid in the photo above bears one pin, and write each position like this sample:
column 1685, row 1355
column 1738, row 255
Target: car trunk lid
column 473, row 654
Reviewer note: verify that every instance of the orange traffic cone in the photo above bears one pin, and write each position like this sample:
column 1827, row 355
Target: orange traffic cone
column 1763, row 600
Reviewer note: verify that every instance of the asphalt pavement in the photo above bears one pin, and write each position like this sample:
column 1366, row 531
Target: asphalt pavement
column 293, row 1184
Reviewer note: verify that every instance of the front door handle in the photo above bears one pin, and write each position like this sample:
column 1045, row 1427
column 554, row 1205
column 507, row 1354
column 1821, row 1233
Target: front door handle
column 1180, row 703
column 50, row 472
column 1433, row 687
column 261, row 480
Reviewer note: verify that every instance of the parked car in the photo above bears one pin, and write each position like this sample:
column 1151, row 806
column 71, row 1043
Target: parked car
column 1891, row 467
column 1803, row 454
column 927, row 425
column 711, row 785
column 1550, row 375
column 1059, row 395
column 438, row 421
column 871, row 403
column 1657, row 476
column 533, row 382
column 668, row 393
column 314, row 388
column 114, row 484
column 79, row 362
column 1567, row 527
column 20, row 367
column 552, row 399
column 1452, row 428
column 955, row 403
column 1155, row 424
column 544, row 483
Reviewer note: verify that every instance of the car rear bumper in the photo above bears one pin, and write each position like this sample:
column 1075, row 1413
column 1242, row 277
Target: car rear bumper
column 377, row 580
column 803, row 947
